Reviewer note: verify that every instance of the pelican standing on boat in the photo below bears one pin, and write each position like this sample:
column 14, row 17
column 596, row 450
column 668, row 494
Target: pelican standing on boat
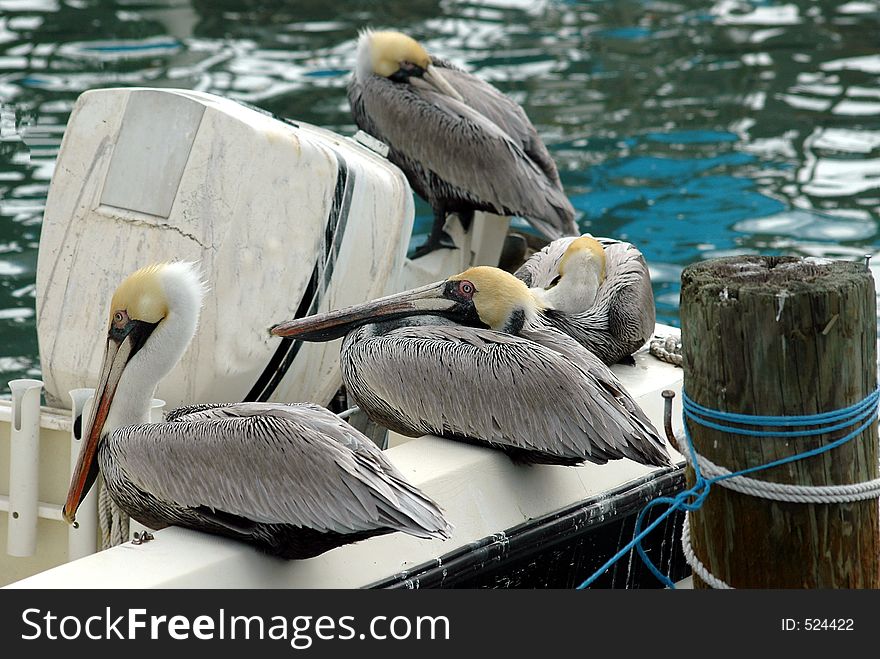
column 463, row 145
column 598, row 291
column 293, row 480
column 473, row 358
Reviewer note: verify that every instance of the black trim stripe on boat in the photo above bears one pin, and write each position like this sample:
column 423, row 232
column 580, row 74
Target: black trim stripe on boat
column 334, row 231
column 563, row 548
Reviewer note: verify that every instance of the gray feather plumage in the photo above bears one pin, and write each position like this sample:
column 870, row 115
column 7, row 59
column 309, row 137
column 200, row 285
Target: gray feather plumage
column 266, row 464
column 481, row 153
column 622, row 319
column 539, row 392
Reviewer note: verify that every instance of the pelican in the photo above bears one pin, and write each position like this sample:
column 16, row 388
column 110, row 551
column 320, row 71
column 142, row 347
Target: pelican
column 599, row 291
column 463, row 145
column 473, row 358
column 293, row 480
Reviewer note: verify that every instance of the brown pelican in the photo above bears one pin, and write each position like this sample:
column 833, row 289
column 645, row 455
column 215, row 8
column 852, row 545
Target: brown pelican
column 463, row 145
column 600, row 291
column 473, row 358
column 294, row 480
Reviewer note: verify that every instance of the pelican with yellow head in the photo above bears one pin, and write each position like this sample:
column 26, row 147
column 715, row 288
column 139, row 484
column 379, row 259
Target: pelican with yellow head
column 581, row 273
column 600, row 290
column 293, row 480
column 462, row 144
column 475, row 358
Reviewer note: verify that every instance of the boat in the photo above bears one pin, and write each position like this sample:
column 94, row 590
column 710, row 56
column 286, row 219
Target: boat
column 310, row 220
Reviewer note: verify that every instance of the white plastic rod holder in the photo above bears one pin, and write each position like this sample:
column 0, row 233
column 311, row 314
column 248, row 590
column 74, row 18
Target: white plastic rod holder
column 24, row 467
column 487, row 242
column 82, row 538
column 157, row 410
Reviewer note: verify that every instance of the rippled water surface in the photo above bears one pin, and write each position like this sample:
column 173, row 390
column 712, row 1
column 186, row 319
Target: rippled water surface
column 693, row 129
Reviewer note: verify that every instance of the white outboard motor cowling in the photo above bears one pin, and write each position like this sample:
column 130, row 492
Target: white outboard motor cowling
column 285, row 219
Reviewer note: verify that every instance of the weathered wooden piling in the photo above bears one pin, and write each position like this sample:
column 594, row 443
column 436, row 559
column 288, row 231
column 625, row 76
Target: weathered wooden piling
column 783, row 336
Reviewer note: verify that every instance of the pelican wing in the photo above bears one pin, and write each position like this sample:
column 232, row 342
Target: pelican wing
column 603, row 376
column 632, row 316
column 501, row 110
column 277, row 464
column 179, row 412
column 498, row 388
column 465, row 149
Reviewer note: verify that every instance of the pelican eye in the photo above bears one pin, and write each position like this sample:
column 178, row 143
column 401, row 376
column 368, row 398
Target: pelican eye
column 120, row 319
column 412, row 68
column 407, row 70
column 466, row 289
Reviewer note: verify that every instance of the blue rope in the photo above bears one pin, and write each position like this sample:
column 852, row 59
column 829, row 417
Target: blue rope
column 696, row 412
column 863, row 413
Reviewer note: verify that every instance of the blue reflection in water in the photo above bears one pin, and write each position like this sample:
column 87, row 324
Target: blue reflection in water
column 625, row 33
column 327, row 73
column 129, row 47
column 661, row 168
column 674, row 209
column 692, row 137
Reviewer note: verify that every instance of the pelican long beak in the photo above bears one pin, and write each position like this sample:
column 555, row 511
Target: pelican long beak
column 115, row 358
column 439, row 82
column 331, row 325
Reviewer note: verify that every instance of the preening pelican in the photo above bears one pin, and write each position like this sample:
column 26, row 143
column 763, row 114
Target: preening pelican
column 473, row 358
column 600, row 291
column 463, row 145
column 294, row 480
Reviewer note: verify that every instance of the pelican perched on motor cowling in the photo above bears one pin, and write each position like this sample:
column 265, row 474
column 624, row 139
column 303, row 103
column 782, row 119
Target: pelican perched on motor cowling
column 294, row 480
column 473, row 358
column 463, row 145
column 600, row 292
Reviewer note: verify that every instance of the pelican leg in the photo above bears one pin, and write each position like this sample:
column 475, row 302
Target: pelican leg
column 437, row 239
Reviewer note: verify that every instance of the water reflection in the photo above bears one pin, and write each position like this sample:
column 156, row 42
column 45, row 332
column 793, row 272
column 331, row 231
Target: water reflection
column 693, row 128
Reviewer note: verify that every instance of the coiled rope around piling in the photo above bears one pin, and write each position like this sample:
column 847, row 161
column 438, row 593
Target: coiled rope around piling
column 860, row 415
column 691, row 557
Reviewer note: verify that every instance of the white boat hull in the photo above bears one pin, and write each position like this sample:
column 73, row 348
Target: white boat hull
column 482, row 492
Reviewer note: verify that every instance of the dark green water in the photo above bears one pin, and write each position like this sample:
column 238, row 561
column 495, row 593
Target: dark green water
column 693, row 129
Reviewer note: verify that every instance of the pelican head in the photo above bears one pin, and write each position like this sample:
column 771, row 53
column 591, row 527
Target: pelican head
column 153, row 317
column 399, row 58
column 501, row 301
column 581, row 272
column 481, row 296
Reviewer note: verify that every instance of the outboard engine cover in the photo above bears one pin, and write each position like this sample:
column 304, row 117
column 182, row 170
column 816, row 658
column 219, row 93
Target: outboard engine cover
column 285, row 219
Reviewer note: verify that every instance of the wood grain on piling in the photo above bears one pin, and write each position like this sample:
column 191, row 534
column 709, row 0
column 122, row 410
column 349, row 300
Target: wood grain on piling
column 783, row 336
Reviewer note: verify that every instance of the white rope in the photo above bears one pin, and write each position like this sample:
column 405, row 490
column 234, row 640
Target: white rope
column 712, row 474
column 787, row 492
column 767, row 490
column 696, row 566
column 667, row 349
column 113, row 522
